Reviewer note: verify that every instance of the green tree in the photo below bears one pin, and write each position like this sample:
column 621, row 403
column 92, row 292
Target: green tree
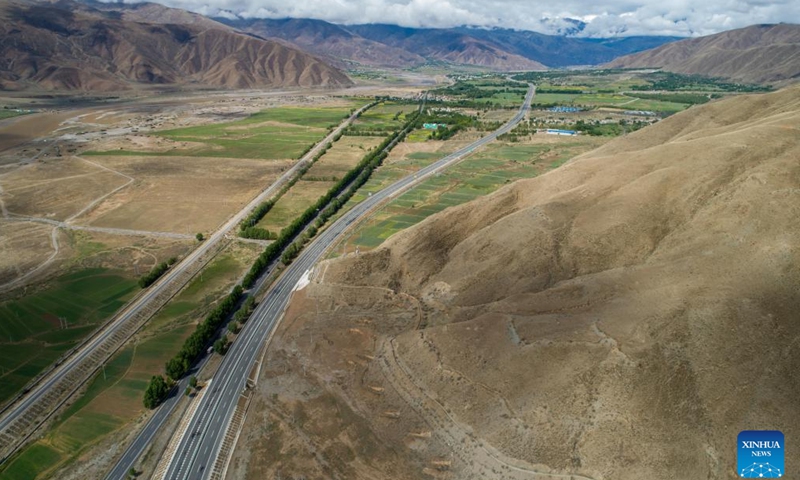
column 199, row 237
column 221, row 345
column 176, row 367
column 156, row 392
column 193, row 381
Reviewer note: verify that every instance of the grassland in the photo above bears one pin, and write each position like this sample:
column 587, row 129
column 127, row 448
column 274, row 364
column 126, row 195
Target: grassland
column 341, row 158
column 332, row 166
column 486, row 91
column 32, row 334
column 612, row 100
column 595, row 88
column 4, row 113
column 276, row 133
column 294, row 202
column 114, row 397
column 498, row 164
column 382, row 119
column 57, row 190
column 181, row 194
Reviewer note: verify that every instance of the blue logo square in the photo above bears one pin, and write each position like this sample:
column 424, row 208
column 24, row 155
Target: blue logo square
column 760, row 454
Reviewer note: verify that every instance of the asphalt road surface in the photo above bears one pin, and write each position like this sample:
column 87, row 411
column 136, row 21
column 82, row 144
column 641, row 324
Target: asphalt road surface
column 199, row 447
column 39, row 391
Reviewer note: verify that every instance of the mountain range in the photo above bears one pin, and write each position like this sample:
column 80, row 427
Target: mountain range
column 755, row 54
column 67, row 45
column 90, row 45
column 395, row 46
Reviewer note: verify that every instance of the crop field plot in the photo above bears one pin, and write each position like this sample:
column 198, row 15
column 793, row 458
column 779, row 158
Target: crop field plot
column 505, row 99
column 98, row 275
column 114, row 397
column 301, row 196
column 656, row 106
column 386, row 117
column 35, row 330
column 181, row 194
column 497, row 165
column 558, row 98
column 272, row 134
column 492, row 115
column 341, row 158
column 409, row 157
column 212, row 283
column 417, row 136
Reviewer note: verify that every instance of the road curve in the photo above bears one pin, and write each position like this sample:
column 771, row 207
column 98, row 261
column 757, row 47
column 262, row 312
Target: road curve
column 200, row 446
column 36, row 396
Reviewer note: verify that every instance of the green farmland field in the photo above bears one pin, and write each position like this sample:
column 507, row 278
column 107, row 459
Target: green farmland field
column 276, row 133
column 113, row 398
column 31, row 334
column 495, row 166
column 386, row 117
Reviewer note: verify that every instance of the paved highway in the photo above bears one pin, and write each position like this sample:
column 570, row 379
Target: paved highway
column 199, row 448
column 38, row 393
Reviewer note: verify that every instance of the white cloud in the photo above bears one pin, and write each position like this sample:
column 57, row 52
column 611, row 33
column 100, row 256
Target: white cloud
column 619, row 18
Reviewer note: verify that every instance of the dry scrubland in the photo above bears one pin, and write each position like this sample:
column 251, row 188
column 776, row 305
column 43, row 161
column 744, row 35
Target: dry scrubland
column 622, row 317
column 182, row 194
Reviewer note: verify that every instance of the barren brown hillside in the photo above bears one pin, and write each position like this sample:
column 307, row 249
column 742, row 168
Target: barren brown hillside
column 70, row 46
column 622, row 317
column 756, row 54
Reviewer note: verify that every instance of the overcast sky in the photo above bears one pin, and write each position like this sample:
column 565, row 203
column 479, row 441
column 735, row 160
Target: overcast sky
column 604, row 18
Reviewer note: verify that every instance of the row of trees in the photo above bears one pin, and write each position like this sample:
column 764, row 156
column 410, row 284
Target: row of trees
column 159, row 387
column 324, row 208
column 258, row 233
column 688, row 98
column 222, row 345
column 150, row 277
column 677, row 81
column 194, row 346
column 247, row 228
column 256, row 215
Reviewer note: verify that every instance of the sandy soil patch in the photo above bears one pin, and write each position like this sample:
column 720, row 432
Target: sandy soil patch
column 146, row 143
column 57, row 188
column 23, row 246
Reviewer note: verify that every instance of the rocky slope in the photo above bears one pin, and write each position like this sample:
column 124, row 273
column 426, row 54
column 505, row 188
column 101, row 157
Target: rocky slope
column 71, row 46
column 756, row 54
column 621, row 317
